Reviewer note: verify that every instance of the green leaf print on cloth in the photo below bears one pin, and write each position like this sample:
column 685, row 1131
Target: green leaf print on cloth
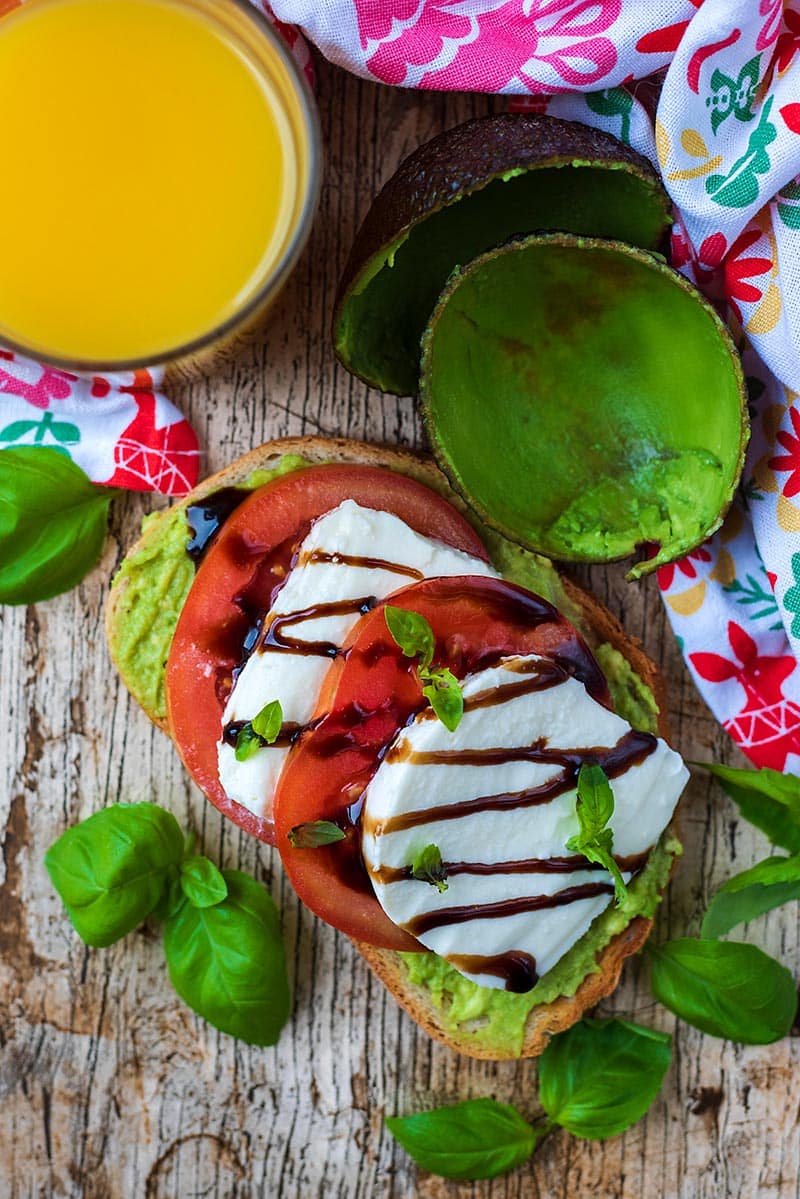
column 740, row 187
column 613, row 102
column 789, row 205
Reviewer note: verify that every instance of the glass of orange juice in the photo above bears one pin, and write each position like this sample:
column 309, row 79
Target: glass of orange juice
column 160, row 163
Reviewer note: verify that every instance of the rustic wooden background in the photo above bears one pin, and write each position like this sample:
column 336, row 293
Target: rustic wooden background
column 111, row 1087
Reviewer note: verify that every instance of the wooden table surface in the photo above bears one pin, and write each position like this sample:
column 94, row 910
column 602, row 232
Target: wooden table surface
column 111, row 1087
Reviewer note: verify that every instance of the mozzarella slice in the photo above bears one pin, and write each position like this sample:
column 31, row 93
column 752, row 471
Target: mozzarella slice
column 498, row 801
column 351, row 558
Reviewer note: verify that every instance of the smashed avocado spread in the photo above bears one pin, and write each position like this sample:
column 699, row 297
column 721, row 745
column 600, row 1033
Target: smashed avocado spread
column 157, row 578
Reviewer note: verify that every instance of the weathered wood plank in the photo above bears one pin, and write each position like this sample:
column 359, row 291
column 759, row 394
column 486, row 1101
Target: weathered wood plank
column 110, row 1086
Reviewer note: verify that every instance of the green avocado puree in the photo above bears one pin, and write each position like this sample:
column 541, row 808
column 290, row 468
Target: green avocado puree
column 157, row 578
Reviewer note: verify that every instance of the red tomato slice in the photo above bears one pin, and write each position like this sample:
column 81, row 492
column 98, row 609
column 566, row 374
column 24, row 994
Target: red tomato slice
column 235, row 585
column 371, row 692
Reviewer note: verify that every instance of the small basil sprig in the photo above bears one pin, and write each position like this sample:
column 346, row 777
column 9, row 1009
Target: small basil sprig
column 413, row 634
column 262, row 730
column 221, row 934
column 594, row 808
column 52, row 523
column 427, row 867
column 765, row 886
column 767, row 799
column 595, row 1080
column 724, row 988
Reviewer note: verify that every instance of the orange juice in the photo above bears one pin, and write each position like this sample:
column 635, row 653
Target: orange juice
column 156, row 174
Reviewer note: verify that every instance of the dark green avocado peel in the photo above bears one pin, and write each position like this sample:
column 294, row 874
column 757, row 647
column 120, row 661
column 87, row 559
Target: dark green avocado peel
column 585, row 400
column 465, row 191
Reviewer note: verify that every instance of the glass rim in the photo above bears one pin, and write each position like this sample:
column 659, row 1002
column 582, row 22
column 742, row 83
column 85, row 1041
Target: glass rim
column 272, row 283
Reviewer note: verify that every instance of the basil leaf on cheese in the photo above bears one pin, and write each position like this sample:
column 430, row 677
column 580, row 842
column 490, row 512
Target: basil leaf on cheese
column 443, row 692
column 112, row 869
column 267, row 724
column 594, row 808
column 52, row 523
column 599, row 1077
column 765, row 886
column 202, row 883
column 725, row 988
column 427, row 867
column 227, row 962
column 479, row 1138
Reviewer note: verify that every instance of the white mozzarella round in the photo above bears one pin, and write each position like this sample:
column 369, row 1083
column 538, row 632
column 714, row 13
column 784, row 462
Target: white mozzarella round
column 561, row 716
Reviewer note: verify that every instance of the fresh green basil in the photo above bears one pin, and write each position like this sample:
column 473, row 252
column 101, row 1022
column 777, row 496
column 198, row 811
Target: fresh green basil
column 767, row 885
column 479, row 1138
column 262, row 730
column 52, row 523
column 411, row 632
column 599, row 1077
column 248, row 743
column 227, row 962
column 443, row 693
column 767, row 799
column 111, row 869
column 315, row 833
column 725, row 988
column 594, row 808
column 427, row 867
column 268, row 722
column 202, row 883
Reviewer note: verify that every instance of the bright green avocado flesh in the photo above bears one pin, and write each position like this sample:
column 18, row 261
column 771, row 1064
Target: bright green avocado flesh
column 383, row 317
column 157, row 579
column 584, row 400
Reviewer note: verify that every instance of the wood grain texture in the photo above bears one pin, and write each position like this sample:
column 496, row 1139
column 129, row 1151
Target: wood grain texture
column 110, row 1086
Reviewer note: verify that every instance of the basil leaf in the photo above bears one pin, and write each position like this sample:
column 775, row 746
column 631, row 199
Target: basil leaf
column 248, row 743
column 267, row 724
column 443, row 693
column 479, row 1138
column 595, row 804
column 111, row 869
column 411, row 632
column 767, row 799
column 599, row 1077
column 767, row 885
column 172, row 898
column 725, row 988
column 427, row 868
column 201, row 882
column 594, row 808
column 228, row 963
column 52, row 523
column 315, row 833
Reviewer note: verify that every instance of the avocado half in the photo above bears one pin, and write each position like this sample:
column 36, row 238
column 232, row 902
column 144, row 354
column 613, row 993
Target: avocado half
column 458, row 195
column 585, row 400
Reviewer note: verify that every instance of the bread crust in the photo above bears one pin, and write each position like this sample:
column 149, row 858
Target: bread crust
column 546, row 1019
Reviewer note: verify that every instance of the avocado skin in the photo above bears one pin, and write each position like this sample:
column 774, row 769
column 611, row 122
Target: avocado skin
column 463, row 161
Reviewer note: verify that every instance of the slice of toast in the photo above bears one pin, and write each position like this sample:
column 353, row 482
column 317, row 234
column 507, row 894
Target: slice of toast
column 596, row 624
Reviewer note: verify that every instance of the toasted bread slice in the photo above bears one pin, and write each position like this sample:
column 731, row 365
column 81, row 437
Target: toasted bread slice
column 598, row 627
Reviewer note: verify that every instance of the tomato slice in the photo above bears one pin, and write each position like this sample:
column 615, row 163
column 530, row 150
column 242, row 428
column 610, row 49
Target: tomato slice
column 371, row 692
column 237, row 580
